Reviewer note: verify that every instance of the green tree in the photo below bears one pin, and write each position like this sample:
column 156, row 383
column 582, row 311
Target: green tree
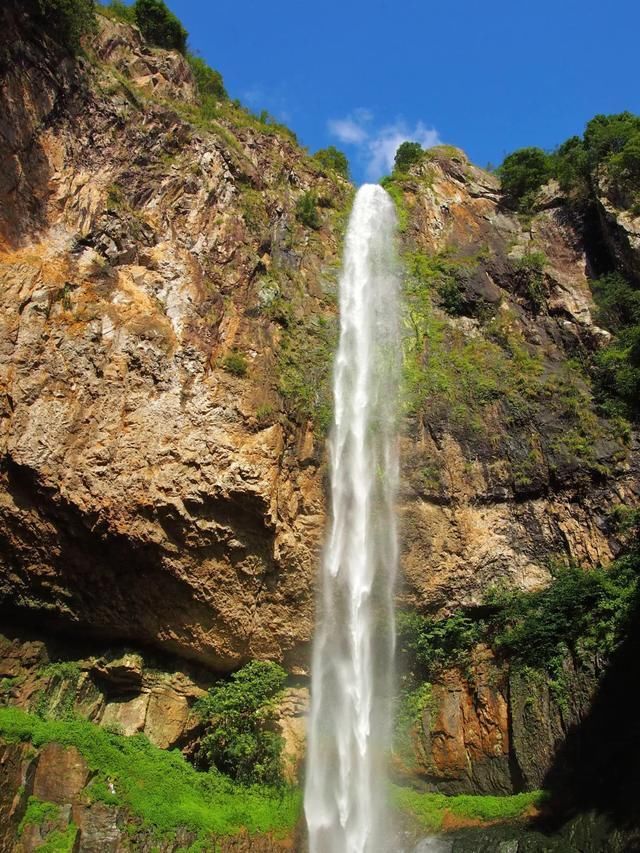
column 159, row 25
column 607, row 135
column 307, row 210
column 407, row 154
column 66, row 20
column 333, row 158
column 523, row 173
column 240, row 716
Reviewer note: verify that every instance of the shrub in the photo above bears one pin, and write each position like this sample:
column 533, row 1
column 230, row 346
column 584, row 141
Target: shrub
column 617, row 366
column 332, row 158
column 240, row 715
column 522, row 174
column 407, row 154
column 116, row 10
column 617, row 372
column 235, row 363
column 436, row 643
column 307, row 210
column 579, row 611
column 304, row 369
column 618, row 302
column 208, row 81
column 67, row 20
column 159, row 26
column 530, row 276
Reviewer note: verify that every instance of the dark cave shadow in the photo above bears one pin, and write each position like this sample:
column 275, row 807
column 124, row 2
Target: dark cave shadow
column 596, row 770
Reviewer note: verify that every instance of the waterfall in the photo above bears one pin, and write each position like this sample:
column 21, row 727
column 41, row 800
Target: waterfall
column 349, row 730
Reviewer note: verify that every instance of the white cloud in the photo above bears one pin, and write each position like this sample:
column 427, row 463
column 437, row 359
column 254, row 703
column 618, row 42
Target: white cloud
column 382, row 146
column 352, row 129
column 377, row 146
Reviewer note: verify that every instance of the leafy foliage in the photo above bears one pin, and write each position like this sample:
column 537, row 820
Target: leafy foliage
column 334, row 159
column 523, row 173
column 394, row 187
column 67, row 20
column 240, row 716
column 436, row 643
column 407, row 154
column 209, row 82
column 609, row 141
column 307, row 210
column 530, row 276
column 159, row 26
column 579, row 612
column 617, row 366
column 158, row 786
column 235, row 363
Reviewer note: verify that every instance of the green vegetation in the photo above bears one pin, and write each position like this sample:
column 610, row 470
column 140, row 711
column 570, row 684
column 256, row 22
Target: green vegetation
column 159, row 26
column 530, row 278
column 334, row 159
column 37, row 813
column 430, row 810
column 240, row 716
column 393, row 186
column 66, row 20
column 433, row 644
column 610, row 142
column 60, row 841
column 307, row 210
column 59, row 697
column 209, row 82
column 158, row 786
column 304, row 369
column 235, row 363
column 116, row 10
column 523, row 173
column 580, row 612
column 410, row 705
column 407, row 154
column 617, row 366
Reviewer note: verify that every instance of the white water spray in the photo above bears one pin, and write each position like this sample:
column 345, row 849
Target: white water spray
column 345, row 802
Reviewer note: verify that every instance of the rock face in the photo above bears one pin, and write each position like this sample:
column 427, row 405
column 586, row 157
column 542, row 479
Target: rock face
column 153, row 487
column 504, row 475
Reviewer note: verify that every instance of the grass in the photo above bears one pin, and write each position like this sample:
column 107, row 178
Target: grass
column 430, row 810
column 159, row 787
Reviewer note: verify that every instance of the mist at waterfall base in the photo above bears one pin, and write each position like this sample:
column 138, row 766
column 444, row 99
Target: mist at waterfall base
column 350, row 721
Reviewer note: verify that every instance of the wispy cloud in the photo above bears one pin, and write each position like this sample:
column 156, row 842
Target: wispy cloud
column 352, row 130
column 377, row 145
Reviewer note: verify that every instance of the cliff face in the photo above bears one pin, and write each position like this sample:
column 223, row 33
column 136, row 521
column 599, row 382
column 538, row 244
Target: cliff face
column 155, row 487
column 507, row 462
column 509, row 467
column 167, row 325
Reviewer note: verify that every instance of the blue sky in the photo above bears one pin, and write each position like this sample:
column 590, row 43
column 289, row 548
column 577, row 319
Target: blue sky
column 487, row 76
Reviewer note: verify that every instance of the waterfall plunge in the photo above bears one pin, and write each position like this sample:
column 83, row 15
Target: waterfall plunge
column 345, row 796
